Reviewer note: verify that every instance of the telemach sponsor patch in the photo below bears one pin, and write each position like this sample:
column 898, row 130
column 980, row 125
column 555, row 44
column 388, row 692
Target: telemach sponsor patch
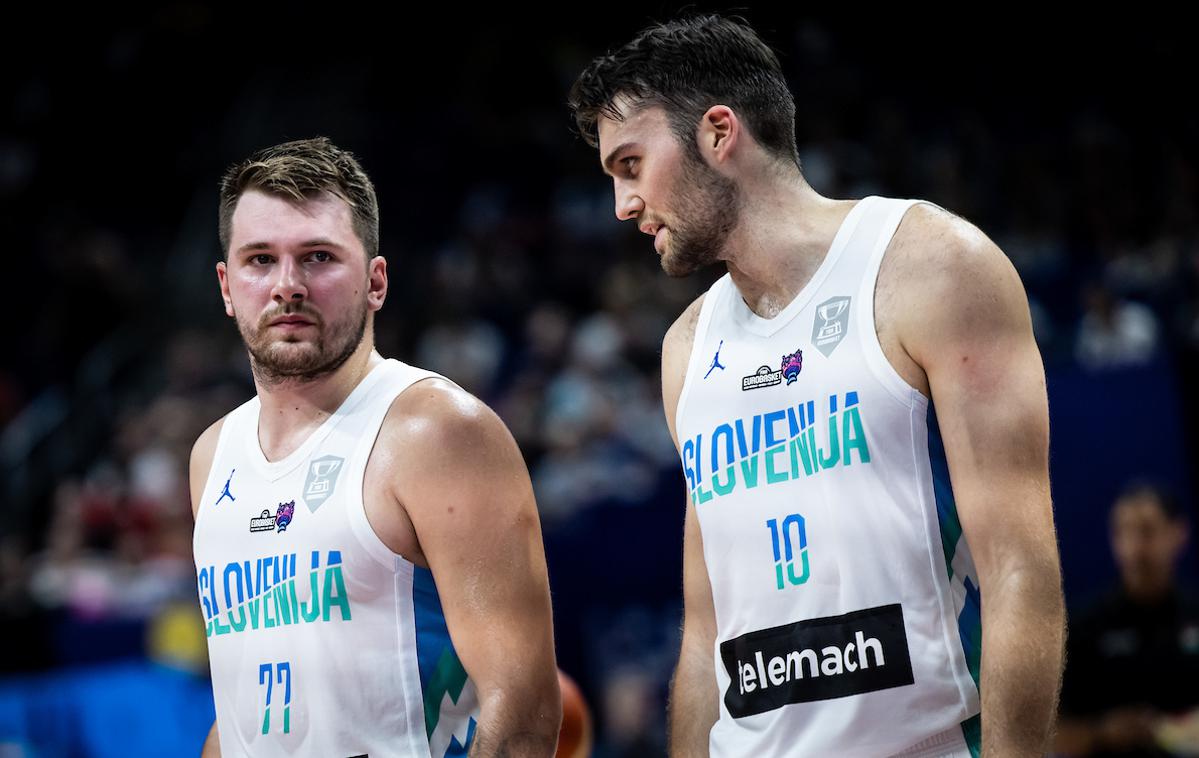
column 816, row 659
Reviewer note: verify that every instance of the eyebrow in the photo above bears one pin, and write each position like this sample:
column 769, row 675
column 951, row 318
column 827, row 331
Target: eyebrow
column 315, row 242
column 612, row 156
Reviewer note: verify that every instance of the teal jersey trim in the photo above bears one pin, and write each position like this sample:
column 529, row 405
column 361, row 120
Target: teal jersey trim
column 441, row 671
column 970, row 618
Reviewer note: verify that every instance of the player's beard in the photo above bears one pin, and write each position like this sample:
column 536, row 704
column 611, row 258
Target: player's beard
column 275, row 361
column 707, row 207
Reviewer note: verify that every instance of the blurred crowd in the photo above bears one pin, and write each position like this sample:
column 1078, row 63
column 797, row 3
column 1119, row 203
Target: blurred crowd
column 519, row 285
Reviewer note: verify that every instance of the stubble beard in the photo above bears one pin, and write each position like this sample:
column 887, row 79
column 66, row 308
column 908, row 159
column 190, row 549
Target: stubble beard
column 708, row 207
column 275, row 362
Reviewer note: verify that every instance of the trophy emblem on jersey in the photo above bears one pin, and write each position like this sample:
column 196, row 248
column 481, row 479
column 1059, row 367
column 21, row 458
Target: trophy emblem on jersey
column 832, row 321
column 322, row 478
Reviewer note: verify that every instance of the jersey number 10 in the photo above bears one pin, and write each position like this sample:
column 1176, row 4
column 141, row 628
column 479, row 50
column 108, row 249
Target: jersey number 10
column 786, row 554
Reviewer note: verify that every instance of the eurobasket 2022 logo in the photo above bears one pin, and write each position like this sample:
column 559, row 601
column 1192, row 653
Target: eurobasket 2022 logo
column 265, row 522
column 789, row 369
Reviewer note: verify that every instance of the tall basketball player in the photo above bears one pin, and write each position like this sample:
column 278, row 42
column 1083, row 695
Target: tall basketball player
column 863, row 576
column 367, row 547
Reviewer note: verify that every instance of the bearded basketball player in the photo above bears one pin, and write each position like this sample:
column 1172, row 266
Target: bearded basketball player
column 863, row 575
column 368, row 551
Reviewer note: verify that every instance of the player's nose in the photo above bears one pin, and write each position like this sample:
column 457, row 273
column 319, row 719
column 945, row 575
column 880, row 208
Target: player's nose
column 289, row 281
column 628, row 203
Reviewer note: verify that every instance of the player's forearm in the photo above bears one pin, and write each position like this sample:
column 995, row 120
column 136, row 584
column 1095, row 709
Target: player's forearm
column 1023, row 637
column 693, row 704
column 519, row 722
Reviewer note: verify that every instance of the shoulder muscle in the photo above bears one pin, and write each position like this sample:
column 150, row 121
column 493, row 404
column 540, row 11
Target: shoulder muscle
column 444, row 440
column 959, row 289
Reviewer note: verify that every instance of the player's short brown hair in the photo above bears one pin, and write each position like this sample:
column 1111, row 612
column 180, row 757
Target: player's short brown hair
column 298, row 171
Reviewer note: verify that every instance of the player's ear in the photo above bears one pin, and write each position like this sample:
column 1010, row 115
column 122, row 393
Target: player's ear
column 222, row 275
column 719, row 131
column 376, row 282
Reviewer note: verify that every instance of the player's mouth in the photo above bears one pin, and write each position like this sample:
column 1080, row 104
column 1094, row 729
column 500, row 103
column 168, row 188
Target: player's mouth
column 659, row 239
column 290, row 323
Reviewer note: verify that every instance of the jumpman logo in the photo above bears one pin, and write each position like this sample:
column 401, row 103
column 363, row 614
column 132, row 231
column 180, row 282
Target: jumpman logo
column 226, row 493
column 716, row 364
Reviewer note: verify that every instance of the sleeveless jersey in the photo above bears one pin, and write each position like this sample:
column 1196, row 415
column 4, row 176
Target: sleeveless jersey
column 847, row 604
column 321, row 640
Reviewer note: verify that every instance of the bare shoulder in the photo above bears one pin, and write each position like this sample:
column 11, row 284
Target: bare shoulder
column 932, row 242
column 201, row 461
column 676, row 353
column 438, row 408
column 437, row 447
column 443, row 464
column 943, row 278
column 681, row 333
column 436, row 424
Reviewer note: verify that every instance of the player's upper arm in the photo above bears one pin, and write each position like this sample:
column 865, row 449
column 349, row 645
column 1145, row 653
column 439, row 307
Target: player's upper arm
column 201, row 462
column 462, row 481
column 969, row 328
column 699, row 618
column 676, row 354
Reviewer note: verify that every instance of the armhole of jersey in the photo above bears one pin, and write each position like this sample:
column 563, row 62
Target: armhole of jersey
column 715, row 293
column 872, row 349
column 356, row 513
column 230, row 420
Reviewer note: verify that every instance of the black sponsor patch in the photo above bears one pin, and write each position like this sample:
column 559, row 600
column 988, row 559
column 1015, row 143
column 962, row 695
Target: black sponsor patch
column 816, row 659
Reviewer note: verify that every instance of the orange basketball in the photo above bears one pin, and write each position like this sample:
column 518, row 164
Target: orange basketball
column 574, row 741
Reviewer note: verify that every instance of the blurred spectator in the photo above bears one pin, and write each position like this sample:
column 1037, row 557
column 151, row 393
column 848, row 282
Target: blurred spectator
column 1149, row 273
column 630, row 712
column 466, row 351
column 1133, row 659
column 1115, row 332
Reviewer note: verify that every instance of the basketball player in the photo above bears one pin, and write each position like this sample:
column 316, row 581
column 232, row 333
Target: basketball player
column 863, row 577
column 368, row 550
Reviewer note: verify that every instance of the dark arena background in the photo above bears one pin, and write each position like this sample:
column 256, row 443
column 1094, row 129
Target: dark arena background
column 1074, row 144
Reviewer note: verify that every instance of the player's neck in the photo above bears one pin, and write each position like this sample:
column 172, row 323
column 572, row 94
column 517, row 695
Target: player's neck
column 785, row 231
column 292, row 410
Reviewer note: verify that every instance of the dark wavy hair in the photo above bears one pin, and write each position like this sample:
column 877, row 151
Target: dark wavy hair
column 687, row 66
column 1165, row 498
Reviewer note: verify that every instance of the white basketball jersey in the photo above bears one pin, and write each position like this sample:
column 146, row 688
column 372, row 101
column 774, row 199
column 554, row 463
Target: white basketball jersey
column 321, row 640
column 847, row 605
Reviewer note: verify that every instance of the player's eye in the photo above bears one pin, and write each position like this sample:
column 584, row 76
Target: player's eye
column 261, row 259
column 321, row 256
column 629, row 163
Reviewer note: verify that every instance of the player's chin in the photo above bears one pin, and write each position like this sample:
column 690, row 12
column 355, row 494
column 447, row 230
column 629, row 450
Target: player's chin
column 292, row 352
column 301, row 339
column 674, row 267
